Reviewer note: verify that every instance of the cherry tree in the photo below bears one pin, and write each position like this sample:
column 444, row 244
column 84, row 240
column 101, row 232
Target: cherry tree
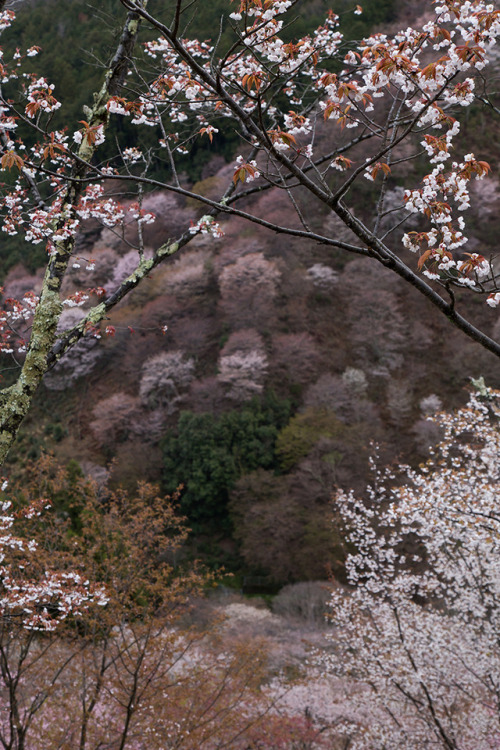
column 316, row 116
column 295, row 357
column 115, row 418
column 248, row 288
column 35, row 601
column 163, row 375
column 419, row 632
column 38, row 602
column 243, row 365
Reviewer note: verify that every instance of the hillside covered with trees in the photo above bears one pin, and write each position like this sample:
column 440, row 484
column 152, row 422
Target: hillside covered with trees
column 249, row 283
column 281, row 363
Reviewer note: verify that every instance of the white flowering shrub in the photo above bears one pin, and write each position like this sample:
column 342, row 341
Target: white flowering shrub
column 80, row 360
column 189, row 274
column 306, row 601
column 116, row 418
column 248, row 288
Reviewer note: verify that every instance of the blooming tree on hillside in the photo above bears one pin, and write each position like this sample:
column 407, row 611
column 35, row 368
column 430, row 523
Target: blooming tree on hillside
column 315, row 116
column 243, row 365
column 163, row 376
column 248, row 288
column 419, row 632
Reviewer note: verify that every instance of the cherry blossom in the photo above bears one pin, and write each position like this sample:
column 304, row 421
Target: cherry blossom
column 419, row 629
column 37, row 604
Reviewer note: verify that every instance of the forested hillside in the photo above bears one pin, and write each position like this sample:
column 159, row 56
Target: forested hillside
column 256, row 370
column 249, row 396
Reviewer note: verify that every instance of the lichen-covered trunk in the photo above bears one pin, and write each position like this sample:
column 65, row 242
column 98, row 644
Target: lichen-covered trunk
column 15, row 401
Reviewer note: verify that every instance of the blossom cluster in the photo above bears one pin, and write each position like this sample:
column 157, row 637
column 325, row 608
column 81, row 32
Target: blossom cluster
column 37, row 604
column 434, row 201
column 40, row 98
column 207, row 225
column 15, row 317
column 430, row 70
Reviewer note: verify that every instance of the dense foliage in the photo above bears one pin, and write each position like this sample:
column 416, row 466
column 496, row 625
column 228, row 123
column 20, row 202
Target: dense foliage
column 210, row 453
